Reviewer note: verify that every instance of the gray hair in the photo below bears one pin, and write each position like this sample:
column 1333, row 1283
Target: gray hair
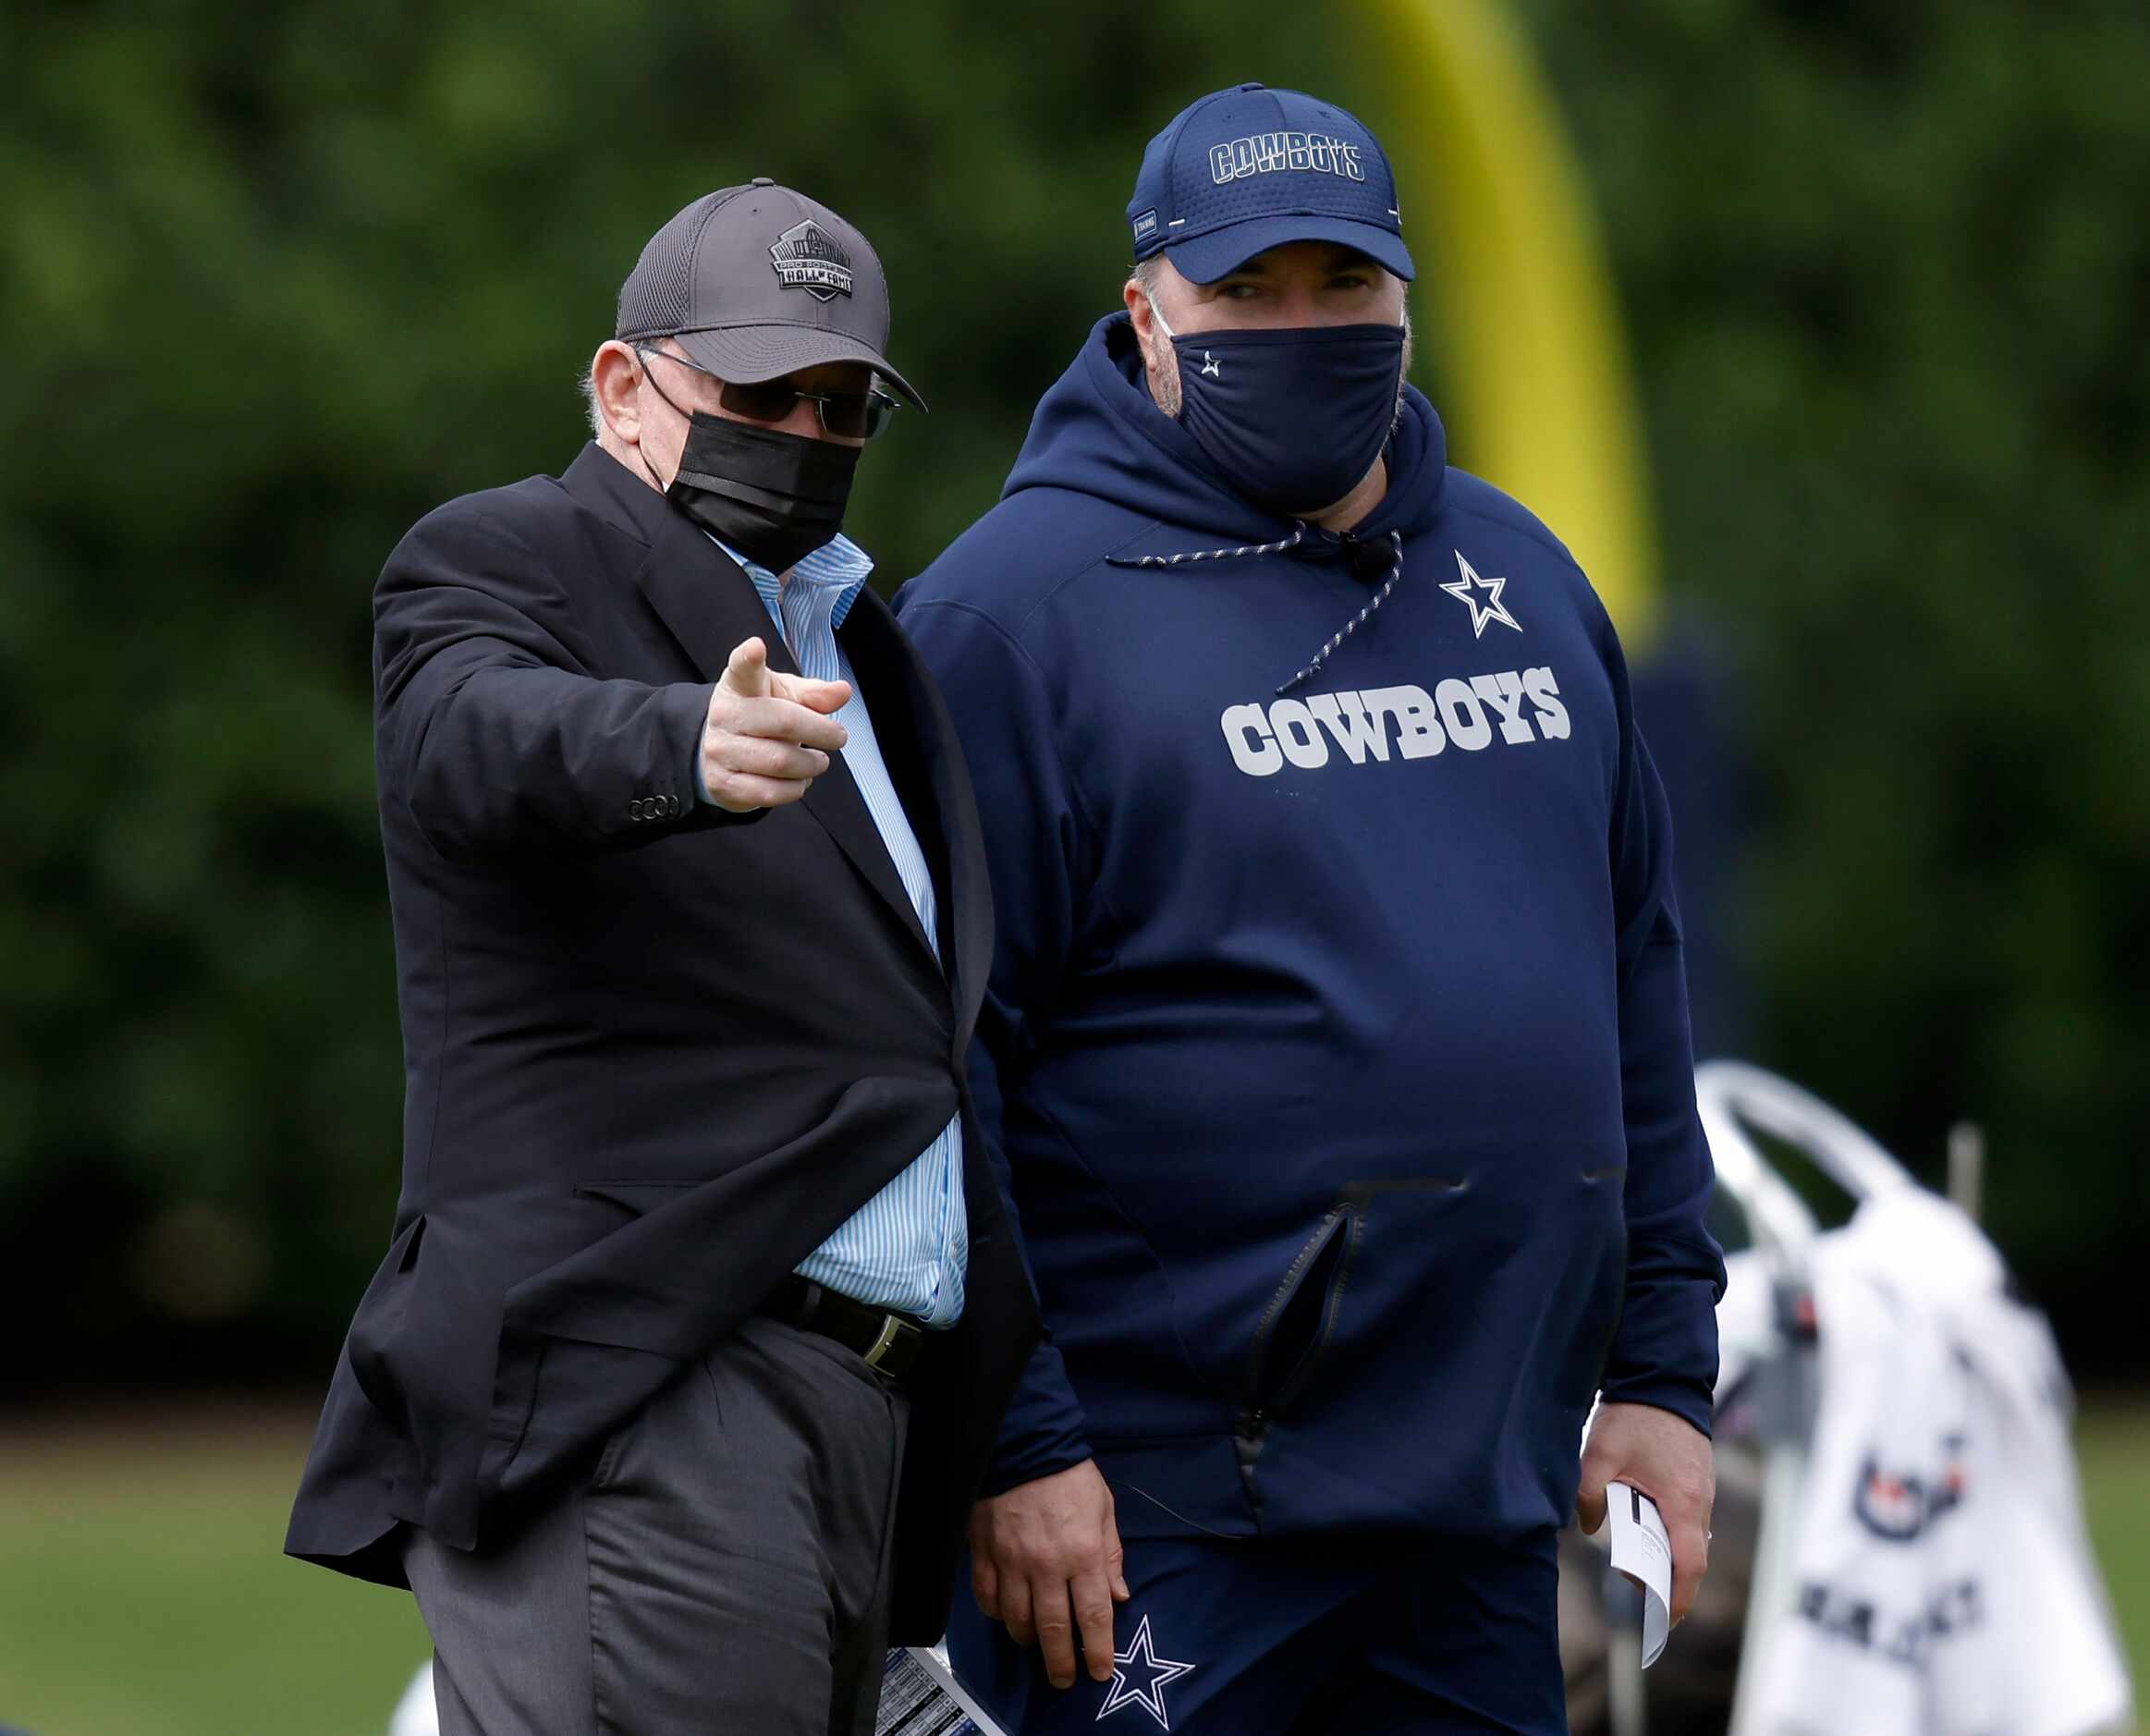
column 587, row 384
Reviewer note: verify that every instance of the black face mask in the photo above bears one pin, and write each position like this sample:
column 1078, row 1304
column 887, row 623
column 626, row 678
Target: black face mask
column 773, row 497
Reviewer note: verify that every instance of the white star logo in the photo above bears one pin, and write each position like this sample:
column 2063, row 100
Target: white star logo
column 1492, row 609
column 1209, row 366
column 1155, row 1672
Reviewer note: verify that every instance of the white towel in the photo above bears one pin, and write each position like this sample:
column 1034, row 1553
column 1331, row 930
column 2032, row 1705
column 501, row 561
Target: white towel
column 1943, row 1583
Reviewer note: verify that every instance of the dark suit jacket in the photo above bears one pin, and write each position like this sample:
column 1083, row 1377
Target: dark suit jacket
column 656, row 1053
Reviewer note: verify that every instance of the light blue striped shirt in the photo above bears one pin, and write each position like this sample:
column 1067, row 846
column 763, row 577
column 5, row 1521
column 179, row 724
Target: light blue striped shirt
column 907, row 1247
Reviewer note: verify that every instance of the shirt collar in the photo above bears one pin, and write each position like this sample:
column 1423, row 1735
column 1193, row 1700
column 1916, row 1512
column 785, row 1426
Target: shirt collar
column 839, row 566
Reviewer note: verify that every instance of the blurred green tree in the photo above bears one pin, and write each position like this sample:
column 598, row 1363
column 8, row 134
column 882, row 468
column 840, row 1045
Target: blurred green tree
column 276, row 280
column 1888, row 287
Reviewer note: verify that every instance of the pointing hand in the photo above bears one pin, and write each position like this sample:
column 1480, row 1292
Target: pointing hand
column 767, row 736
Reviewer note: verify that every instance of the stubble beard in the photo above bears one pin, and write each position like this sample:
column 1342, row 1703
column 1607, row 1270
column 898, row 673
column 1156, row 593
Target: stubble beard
column 1164, row 372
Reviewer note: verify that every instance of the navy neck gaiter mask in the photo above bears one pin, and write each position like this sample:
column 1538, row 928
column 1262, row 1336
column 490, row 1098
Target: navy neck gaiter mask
column 1292, row 419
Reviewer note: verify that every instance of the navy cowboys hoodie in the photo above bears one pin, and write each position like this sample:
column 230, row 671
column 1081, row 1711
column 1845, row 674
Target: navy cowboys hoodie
column 1336, row 1042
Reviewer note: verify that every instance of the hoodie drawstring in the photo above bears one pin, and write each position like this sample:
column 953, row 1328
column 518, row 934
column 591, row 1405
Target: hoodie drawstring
column 1360, row 619
column 1283, row 546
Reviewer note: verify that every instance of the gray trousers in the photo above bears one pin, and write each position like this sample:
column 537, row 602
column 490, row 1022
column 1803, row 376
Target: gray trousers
column 727, row 1570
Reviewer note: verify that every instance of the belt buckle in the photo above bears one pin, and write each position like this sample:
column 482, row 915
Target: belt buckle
column 892, row 1331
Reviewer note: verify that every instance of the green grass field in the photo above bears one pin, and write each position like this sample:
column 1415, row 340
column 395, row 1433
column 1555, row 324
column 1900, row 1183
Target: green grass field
column 141, row 1591
column 2113, row 1445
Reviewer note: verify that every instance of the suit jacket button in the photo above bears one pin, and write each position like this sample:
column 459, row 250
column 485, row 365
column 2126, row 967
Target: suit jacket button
column 675, row 803
column 634, row 809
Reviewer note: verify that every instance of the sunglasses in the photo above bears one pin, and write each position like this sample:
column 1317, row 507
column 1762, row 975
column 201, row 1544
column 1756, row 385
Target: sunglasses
column 850, row 415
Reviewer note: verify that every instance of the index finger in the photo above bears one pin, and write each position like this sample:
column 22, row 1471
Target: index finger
column 781, row 720
column 1589, row 1493
column 1055, row 1632
column 985, row 1584
column 828, row 697
column 1690, row 1542
column 1094, row 1617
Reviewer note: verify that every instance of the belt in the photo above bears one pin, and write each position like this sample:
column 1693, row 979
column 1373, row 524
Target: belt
column 889, row 1342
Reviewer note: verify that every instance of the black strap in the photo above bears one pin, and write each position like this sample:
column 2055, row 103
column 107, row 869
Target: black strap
column 889, row 1342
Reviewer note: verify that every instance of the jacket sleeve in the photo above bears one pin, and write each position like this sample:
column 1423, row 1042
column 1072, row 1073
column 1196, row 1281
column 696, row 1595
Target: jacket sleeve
column 1034, row 850
column 1665, row 1353
column 487, row 726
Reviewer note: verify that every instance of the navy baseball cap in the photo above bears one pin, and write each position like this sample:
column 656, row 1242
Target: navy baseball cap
column 1246, row 169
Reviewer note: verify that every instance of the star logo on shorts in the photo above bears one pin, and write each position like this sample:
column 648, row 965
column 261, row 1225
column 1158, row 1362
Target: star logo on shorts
column 1139, row 1676
column 1492, row 609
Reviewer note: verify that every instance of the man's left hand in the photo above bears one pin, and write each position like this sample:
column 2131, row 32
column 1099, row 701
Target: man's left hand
column 1666, row 1459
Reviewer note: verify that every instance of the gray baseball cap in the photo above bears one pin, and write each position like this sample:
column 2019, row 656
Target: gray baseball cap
column 759, row 281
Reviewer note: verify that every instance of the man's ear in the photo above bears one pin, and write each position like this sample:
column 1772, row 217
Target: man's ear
column 615, row 374
column 1143, row 312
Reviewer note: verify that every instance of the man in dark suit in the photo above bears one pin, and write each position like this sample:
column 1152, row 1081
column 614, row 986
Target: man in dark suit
column 672, row 1393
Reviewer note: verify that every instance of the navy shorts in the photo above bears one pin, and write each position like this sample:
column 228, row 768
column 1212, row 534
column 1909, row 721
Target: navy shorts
column 1307, row 1638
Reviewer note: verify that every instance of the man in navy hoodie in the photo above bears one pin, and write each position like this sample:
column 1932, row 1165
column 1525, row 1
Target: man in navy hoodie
column 1337, row 1039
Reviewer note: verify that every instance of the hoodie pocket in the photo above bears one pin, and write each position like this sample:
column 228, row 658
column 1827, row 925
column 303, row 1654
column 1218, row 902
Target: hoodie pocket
column 1295, row 1326
column 1607, row 1303
column 1299, row 1327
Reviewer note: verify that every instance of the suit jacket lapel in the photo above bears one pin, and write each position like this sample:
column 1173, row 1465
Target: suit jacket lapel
column 709, row 604
column 833, row 799
column 895, row 725
column 704, row 601
column 944, row 813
